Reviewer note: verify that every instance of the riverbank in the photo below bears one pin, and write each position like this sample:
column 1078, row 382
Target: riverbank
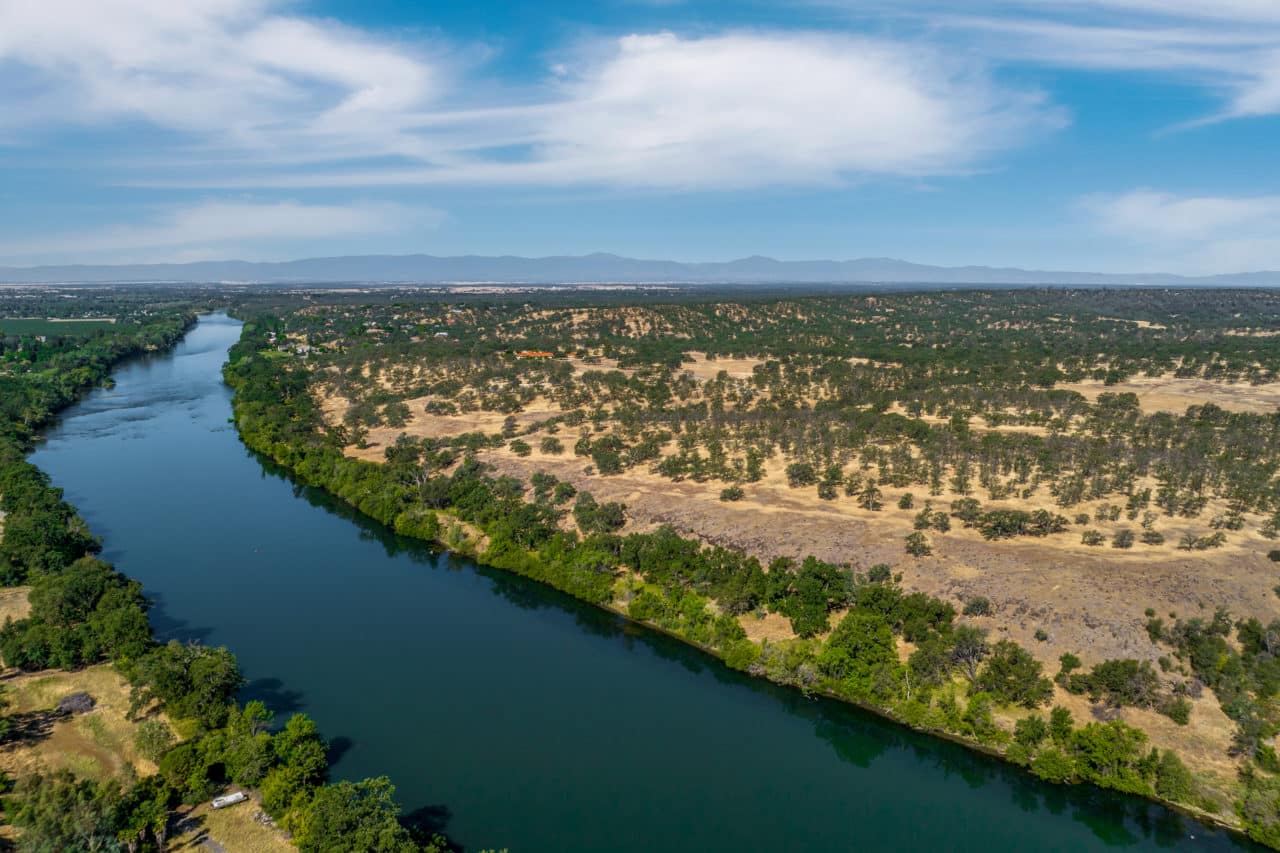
column 364, row 486
column 99, row 741
column 153, row 728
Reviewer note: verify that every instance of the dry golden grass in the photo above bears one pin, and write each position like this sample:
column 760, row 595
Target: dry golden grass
column 100, row 745
column 1090, row 600
column 96, row 745
column 1202, row 744
column 1086, row 600
column 423, row 425
column 14, row 604
column 774, row 627
column 1171, row 394
column 232, row 829
column 704, row 369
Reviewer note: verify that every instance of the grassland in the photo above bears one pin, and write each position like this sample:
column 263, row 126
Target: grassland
column 100, row 745
column 1100, row 471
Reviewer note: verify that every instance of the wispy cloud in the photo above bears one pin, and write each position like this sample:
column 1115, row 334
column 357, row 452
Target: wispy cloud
column 276, row 99
column 220, row 229
column 1230, row 47
column 229, row 73
column 1195, row 233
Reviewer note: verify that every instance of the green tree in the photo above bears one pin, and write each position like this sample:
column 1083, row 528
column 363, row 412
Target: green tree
column 969, row 648
column 1112, row 755
column 153, row 738
column 1012, row 676
column 348, row 816
column 861, row 654
column 58, row 812
column 1054, row 765
column 917, row 544
column 192, row 681
column 1031, row 731
column 1173, row 780
column 1061, row 724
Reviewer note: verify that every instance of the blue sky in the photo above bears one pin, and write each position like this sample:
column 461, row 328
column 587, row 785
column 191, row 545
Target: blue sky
column 1119, row 135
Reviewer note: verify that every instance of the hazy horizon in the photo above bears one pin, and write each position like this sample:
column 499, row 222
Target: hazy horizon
column 602, row 268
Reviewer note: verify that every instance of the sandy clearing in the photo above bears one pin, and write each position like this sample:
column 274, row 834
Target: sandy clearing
column 1173, row 394
column 705, row 369
column 14, row 604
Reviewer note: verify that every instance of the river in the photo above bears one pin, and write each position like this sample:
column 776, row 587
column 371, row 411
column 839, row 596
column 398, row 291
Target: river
column 506, row 713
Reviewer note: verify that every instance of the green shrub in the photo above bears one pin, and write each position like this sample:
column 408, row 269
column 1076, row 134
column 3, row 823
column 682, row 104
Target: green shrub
column 153, row 738
column 1054, row 765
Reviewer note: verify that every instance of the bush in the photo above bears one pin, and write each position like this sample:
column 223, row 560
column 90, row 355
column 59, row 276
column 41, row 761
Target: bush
column 593, row 517
column 917, row 544
column 1120, row 682
column 1092, row 538
column 968, row 510
column 1173, row 779
column 153, row 739
column 1012, row 676
column 906, row 501
column 551, row 444
column 801, row 474
column 1060, row 724
column 563, row 492
column 1122, row 539
column 1178, row 710
column 977, row 606
column 861, row 654
column 1113, row 755
column 1031, row 731
column 733, row 493
column 1054, row 765
column 740, row 655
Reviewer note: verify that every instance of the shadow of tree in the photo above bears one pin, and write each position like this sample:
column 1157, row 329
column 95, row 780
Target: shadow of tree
column 272, row 693
column 428, row 820
column 30, row 726
column 194, row 833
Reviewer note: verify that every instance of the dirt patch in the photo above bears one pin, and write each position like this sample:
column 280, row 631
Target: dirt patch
column 705, row 369
column 14, row 604
column 1089, row 601
column 236, row 829
column 1173, row 394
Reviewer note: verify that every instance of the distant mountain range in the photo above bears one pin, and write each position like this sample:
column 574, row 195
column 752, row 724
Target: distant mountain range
column 599, row 268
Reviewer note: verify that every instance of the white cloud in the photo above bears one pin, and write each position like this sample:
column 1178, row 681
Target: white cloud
column 222, row 229
column 228, row 71
column 1231, row 47
column 758, row 108
column 735, row 110
column 1194, row 233
column 264, row 94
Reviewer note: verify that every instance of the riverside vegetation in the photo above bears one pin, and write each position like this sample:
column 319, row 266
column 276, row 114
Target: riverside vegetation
column 84, row 613
column 1019, row 469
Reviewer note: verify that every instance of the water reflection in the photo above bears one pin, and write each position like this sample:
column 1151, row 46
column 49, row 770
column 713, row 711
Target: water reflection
column 535, row 717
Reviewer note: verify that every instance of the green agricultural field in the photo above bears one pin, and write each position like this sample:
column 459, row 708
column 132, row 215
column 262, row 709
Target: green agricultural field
column 29, row 326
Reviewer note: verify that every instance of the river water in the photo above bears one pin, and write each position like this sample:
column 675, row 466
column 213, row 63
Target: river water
column 507, row 714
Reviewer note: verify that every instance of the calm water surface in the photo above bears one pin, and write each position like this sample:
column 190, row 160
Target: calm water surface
column 507, row 714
